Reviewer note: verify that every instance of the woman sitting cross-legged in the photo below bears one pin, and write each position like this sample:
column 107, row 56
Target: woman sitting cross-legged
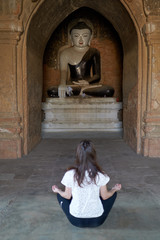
column 86, row 200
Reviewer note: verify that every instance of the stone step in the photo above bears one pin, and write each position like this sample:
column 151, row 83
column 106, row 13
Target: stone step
column 51, row 126
column 81, row 106
column 77, row 100
column 70, row 115
column 73, row 103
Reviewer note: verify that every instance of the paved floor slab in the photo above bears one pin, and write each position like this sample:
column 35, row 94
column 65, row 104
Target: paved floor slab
column 29, row 209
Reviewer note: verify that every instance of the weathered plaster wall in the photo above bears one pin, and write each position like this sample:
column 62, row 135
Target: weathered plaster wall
column 151, row 120
column 130, row 91
column 34, row 97
column 10, row 119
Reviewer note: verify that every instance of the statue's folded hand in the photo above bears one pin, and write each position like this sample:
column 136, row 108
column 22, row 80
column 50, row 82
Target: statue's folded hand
column 62, row 91
column 81, row 83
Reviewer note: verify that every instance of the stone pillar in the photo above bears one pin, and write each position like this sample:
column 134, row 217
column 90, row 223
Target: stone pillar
column 10, row 120
column 151, row 121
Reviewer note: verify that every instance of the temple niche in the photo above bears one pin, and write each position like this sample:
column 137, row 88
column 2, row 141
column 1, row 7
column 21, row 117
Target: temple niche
column 104, row 38
column 92, row 113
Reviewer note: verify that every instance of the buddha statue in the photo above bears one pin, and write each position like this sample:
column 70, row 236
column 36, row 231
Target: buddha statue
column 82, row 64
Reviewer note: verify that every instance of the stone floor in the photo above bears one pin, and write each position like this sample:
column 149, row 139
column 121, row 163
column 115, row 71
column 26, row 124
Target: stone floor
column 29, row 210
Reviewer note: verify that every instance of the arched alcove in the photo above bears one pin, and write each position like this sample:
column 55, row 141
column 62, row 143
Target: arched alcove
column 104, row 38
column 48, row 15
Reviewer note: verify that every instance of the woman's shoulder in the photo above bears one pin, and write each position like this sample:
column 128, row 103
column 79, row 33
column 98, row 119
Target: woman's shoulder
column 103, row 178
column 70, row 172
column 103, row 174
column 68, row 177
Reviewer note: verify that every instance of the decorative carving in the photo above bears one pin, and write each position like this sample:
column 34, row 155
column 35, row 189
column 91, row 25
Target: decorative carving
column 151, row 7
column 148, row 129
column 15, row 27
column 151, row 31
column 18, row 7
column 13, row 7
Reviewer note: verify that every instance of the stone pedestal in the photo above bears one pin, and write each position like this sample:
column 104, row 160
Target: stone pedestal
column 81, row 114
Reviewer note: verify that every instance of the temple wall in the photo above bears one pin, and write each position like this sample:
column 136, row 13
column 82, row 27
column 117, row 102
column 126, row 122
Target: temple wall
column 34, row 98
column 10, row 119
column 130, row 93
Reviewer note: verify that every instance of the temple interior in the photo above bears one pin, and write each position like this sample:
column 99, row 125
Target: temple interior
column 39, row 132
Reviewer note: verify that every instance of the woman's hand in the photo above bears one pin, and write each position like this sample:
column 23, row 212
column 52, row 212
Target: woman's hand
column 55, row 189
column 66, row 194
column 117, row 187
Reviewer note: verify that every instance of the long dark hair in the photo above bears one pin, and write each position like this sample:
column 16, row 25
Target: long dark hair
column 86, row 160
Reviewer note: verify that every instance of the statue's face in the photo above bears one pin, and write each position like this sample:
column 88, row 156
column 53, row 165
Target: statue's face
column 80, row 37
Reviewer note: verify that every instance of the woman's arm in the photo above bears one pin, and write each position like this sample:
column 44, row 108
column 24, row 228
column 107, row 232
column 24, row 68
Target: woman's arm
column 105, row 194
column 65, row 194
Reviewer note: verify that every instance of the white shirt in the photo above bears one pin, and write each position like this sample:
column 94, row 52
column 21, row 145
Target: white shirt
column 86, row 201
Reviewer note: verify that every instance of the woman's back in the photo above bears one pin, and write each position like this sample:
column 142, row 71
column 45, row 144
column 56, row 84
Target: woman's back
column 85, row 198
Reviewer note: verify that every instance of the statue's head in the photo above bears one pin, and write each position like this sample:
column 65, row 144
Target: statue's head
column 81, row 35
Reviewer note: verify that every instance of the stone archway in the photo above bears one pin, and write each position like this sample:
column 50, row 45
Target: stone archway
column 41, row 25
